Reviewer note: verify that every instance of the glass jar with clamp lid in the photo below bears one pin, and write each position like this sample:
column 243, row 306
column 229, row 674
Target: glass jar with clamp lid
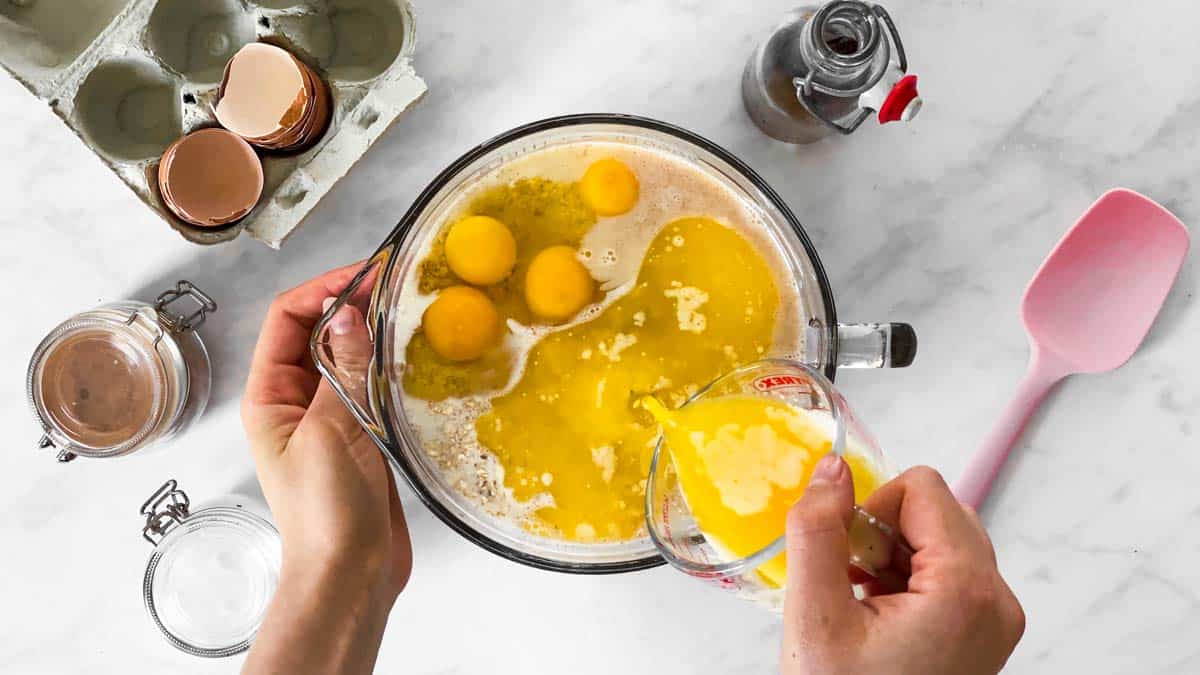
column 123, row 376
column 213, row 571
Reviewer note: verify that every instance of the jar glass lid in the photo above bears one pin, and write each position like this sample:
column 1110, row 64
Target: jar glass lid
column 210, row 579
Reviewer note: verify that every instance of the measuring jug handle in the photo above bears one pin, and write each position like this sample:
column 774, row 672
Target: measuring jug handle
column 354, row 379
column 875, row 345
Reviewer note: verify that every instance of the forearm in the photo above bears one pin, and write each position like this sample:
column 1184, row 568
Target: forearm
column 328, row 620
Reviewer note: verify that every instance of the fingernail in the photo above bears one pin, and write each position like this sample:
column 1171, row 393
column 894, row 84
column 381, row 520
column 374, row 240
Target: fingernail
column 342, row 322
column 828, row 470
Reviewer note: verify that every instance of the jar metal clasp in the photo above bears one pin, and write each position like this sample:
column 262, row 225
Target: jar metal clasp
column 166, row 508
column 180, row 323
column 63, row 455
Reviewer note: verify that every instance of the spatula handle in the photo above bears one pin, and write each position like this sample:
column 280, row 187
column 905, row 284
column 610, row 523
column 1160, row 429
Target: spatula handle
column 975, row 483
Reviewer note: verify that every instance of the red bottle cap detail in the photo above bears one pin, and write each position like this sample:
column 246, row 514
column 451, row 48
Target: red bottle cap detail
column 902, row 102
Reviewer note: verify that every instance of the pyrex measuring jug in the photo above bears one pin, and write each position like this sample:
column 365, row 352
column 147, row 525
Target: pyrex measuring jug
column 717, row 509
column 374, row 393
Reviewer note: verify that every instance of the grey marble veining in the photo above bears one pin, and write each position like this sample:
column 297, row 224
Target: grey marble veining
column 1033, row 109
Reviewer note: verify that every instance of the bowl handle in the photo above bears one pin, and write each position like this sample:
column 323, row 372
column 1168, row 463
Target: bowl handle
column 875, row 345
column 357, row 383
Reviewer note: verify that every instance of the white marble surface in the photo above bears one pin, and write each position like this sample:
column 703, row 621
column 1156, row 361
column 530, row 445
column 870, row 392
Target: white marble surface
column 1033, row 109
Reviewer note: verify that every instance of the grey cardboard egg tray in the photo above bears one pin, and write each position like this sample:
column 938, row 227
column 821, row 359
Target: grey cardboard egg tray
column 131, row 76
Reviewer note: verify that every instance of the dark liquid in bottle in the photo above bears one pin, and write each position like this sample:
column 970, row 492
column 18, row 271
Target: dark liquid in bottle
column 98, row 388
column 843, row 44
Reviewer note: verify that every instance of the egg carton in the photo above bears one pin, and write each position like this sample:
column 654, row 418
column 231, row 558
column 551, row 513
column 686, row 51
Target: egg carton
column 130, row 76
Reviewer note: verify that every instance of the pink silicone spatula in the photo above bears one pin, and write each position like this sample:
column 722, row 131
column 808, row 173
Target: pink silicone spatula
column 1086, row 311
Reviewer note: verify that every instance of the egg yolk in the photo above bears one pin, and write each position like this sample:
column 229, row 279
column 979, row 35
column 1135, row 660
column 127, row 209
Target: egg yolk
column 557, row 285
column 461, row 324
column 540, row 213
column 481, row 250
column 609, row 187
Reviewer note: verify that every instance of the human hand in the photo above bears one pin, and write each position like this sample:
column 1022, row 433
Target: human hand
column 345, row 542
column 957, row 615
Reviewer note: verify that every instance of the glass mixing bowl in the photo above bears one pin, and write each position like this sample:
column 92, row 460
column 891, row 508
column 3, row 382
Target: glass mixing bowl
column 373, row 393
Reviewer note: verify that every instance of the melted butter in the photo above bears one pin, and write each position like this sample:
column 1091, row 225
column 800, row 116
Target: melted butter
column 742, row 462
column 704, row 301
column 537, row 197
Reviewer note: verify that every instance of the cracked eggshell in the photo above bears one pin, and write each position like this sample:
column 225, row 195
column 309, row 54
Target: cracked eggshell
column 130, row 77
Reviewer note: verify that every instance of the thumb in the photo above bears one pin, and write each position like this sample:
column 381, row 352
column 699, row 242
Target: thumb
column 349, row 349
column 818, row 549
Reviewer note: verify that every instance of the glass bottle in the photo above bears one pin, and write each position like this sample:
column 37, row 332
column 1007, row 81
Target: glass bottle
column 121, row 377
column 825, row 69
